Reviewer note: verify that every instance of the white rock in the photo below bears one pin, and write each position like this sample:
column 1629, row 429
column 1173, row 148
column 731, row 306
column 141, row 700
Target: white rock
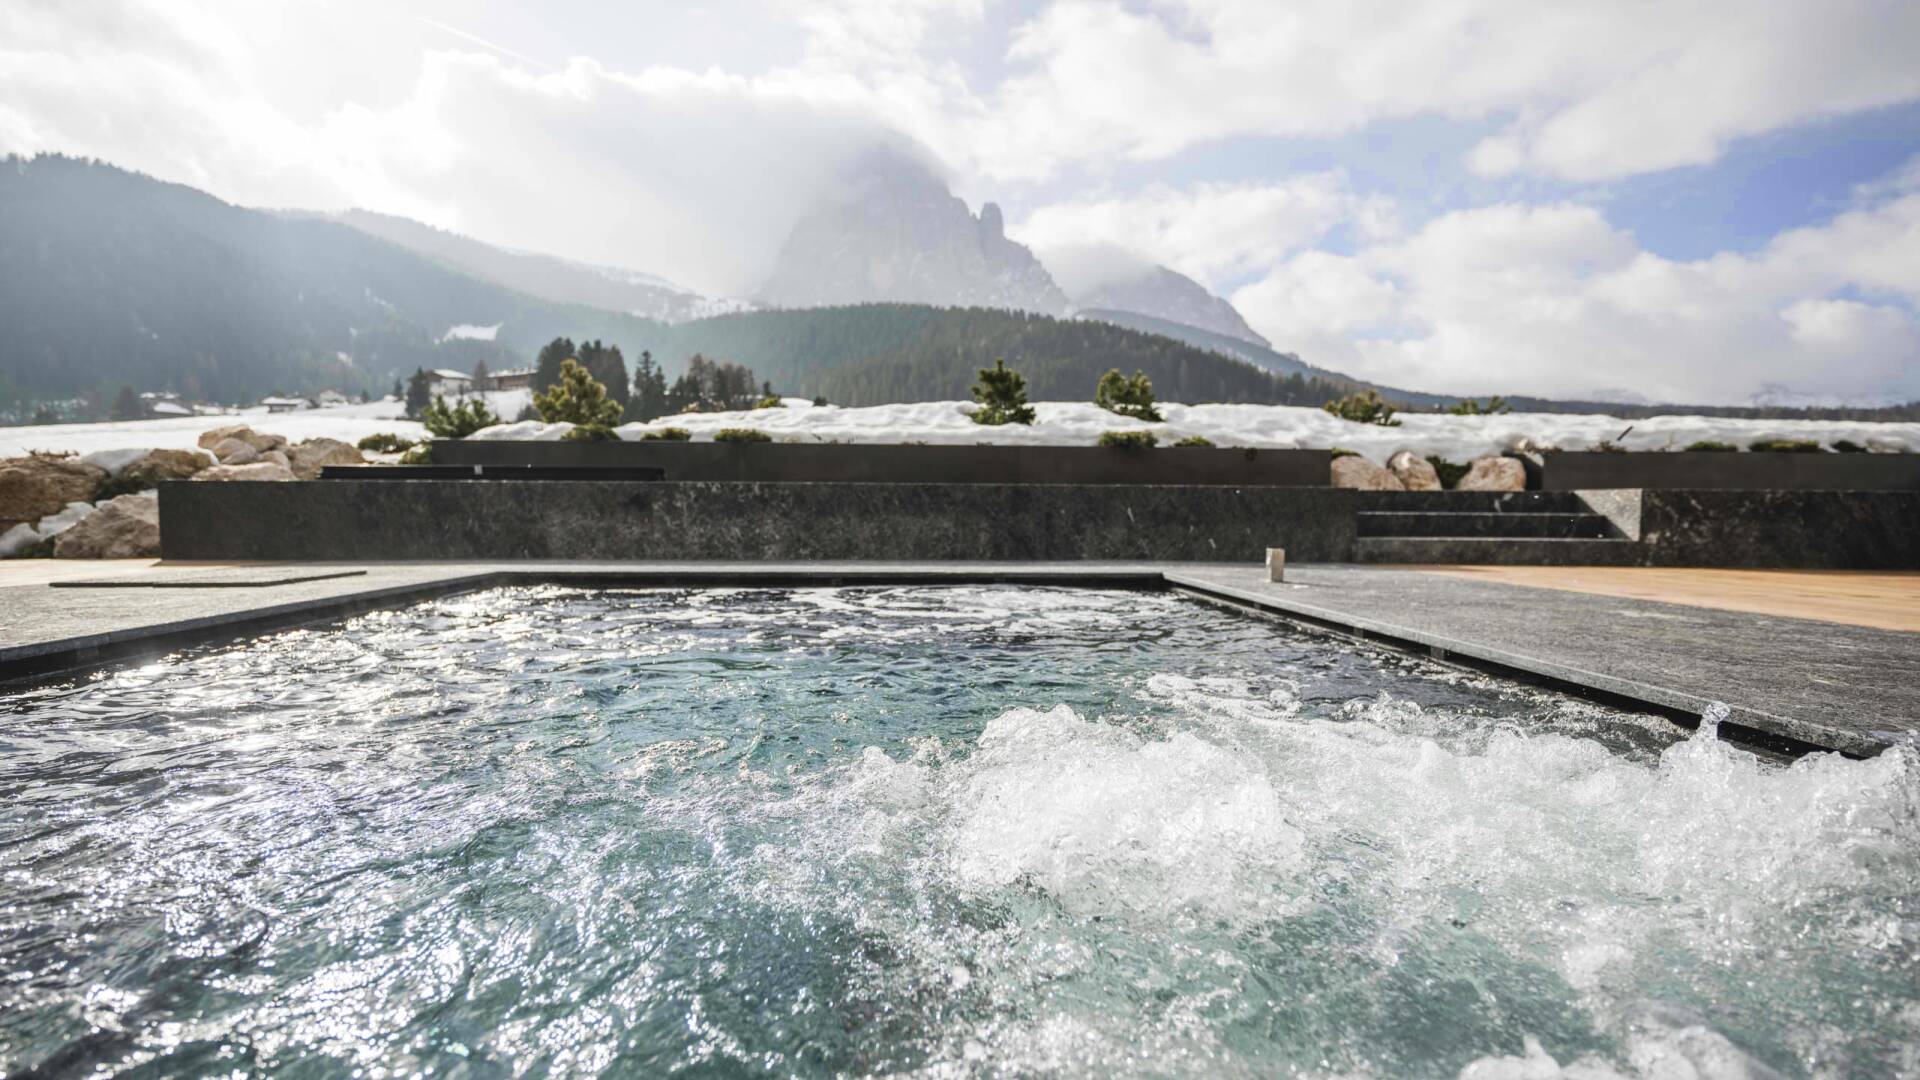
column 259, row 440
column 235, row 451
column 311, row 455
column 1354, row 471
column 1414, row 472
column 124, row 528
column 1494, row 474
column 258, row 470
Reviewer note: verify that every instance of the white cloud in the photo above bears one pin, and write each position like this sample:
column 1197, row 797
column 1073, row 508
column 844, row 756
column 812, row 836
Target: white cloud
column 698, row 175
column 1212, row 232
column 1587, row 91
column 1553, row 300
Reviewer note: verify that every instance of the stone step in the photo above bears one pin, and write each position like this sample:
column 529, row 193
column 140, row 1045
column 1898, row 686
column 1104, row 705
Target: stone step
column 1467, row 502
column 1486, row 551
column 1480, row 524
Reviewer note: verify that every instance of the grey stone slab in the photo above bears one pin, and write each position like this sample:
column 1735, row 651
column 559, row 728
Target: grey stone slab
column 1847, row 688
column 207, row 579
column 42, row 627
column 1575, row 470
column 1809, row 530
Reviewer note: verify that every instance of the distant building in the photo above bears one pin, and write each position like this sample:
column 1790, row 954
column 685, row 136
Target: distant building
column 510, row 379
column 447, row 381
column 163, row 403
column 330, row 398
column 285, row 404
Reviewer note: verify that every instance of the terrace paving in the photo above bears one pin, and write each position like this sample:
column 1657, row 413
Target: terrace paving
column 1814, row 683
column 1825, row 684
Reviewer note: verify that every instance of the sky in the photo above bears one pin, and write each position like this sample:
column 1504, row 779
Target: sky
column 1714, row 201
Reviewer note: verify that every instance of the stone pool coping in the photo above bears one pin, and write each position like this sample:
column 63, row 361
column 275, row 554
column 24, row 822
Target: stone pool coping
column 1792, row 684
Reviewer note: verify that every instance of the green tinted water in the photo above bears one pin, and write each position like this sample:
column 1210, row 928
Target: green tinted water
column 955, row 831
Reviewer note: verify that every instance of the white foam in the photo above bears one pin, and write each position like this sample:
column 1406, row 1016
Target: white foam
column 1608, row 869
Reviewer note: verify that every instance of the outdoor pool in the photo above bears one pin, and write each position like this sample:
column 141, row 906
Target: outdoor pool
column 939, row 831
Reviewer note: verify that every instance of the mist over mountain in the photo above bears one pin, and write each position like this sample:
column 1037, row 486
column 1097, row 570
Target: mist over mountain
column 111, row 278
column 1164, row 294
column 544, row 276
column 892, row 232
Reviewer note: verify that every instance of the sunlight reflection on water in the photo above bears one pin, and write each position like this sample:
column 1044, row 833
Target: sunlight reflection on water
column 921, row 830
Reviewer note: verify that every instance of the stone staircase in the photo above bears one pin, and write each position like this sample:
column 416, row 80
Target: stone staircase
column 1517, row 528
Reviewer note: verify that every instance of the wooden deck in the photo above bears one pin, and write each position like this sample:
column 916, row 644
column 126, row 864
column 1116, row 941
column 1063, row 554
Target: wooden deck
column 1884, row 600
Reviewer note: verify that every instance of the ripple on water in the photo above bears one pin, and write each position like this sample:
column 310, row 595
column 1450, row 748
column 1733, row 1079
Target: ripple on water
column 938, row 831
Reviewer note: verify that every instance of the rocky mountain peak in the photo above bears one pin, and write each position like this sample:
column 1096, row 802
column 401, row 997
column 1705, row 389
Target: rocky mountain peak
column 892, row 231
column 1146, row 289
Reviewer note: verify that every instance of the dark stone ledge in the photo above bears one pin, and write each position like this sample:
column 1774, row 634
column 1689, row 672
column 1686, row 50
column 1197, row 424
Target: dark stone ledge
column 876, row 464
column 1576, row 470
column 454, row 519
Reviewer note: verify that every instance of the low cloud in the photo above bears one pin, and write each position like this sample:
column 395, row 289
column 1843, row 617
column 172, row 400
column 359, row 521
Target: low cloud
column 1554, row 300
column 697, row 176
column 1212, row 232
column 1579, row 91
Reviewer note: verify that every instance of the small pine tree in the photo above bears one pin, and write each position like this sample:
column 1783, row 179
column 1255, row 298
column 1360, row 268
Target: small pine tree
column 126, row 405
column 459, row 421
column 419, row 393
column 546, row 369
column 649, row 400
column 1002, row 395
column 1496, row 405
column 580, row 400
column 481, row 376
column 608, row 368
column 1127, row 397
column 1364, row 408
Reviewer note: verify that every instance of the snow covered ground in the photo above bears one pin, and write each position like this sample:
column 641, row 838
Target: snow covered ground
column 1457, row 438
column 348, row 423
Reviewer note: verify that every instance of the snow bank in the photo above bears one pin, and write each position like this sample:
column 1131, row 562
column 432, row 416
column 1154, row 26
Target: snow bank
column 1457, row 438
column 348, row 423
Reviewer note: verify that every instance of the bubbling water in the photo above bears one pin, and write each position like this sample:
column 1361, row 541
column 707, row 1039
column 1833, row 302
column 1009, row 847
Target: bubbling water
column 937, row 832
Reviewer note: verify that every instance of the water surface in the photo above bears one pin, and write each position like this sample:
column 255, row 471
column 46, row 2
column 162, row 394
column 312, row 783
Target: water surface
column 921, row 831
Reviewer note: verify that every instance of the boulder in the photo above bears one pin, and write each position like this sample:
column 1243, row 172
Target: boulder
column 124, row 528
column 1494, row 474
column 34, row 486
column 309, row 456
column 258, row 470
column 277, row 457
column 1354, row 471
column 259, row 440
column 235, row 452
column 160, row 465
column 1414, row 472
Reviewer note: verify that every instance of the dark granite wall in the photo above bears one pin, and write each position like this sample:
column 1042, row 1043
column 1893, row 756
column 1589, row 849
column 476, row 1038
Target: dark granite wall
column 500, row 519
column 1578, row 470
column 1806, row 530
column 851, row 463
